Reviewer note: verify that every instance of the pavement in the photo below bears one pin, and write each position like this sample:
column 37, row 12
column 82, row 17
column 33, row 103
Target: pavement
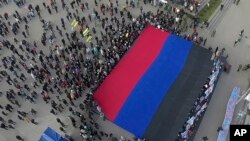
column 219, row 14
column 227, row 31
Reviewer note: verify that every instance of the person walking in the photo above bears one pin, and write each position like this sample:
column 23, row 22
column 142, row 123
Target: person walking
column 117, row 3
column 204, row 42
column 11, row 122
column 219, row 129
column 26, row 27
column 221, row 7
column 213, row 33
column 59, row 121
column 87, row 5
column 239, row 67
column 82, row 6
column 56, row 8
column 235, row 42
column 205, row 138
column 44, row 5
column 6, row 16
column 19, row 138
column 241, row 32
column 3, row 126
column 24, row 34
column 237, row 2
column 11, row 126
column 141, row 9
column 49, row 10
column 2, row 119
column 33, row 112
column 33, row 121
column 62, row 129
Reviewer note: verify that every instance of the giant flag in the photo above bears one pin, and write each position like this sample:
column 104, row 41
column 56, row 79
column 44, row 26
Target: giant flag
column 131, row 94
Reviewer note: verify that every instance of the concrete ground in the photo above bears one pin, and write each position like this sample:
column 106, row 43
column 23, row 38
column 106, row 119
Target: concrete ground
column 229, row 25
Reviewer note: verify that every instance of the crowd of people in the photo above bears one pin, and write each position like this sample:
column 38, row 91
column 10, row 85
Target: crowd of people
column 78, row 58
column 197, row 112
column 190, row 5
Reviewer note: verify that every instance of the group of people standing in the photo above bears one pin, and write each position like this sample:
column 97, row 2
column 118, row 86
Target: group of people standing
column 70, row 61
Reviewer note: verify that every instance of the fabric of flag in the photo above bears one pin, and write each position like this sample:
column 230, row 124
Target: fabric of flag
column 131, row 94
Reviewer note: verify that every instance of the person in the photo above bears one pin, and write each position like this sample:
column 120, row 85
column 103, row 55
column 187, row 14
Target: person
column 213, row 33
column 6, row 16
column 11, row 126
column 235, row 42
column 205, row 138
column 219, row 129
column 241, row 32
column 49, row 10
column 96, row 4
column 24, row 34
column 52, row 111
column 2, row 119
column 237, row 3
column 141, row 9
column 33, row 121
column 221, row 7
column 19, row 138
column 33, row 111
column 44, row 5
column 56, row 9
column 239, row 39
column 3, row 126
column 11, row 122
column 87, row 5
column 62, row 129
column 204, row 42
column 82, row 6
column 59, row 121
column 69, row 137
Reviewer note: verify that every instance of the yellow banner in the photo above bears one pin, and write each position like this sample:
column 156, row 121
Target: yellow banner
column 89, row 38
column 73, row 22
column 76, row 23
column 85, row 32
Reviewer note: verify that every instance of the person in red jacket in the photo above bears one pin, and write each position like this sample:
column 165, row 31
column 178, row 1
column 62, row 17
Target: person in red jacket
column 82, row 6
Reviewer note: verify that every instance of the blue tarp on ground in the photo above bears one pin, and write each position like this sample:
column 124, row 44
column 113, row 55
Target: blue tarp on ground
column 51, row 135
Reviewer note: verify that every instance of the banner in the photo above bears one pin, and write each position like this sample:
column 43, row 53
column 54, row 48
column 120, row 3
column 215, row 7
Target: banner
column 229, row 114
